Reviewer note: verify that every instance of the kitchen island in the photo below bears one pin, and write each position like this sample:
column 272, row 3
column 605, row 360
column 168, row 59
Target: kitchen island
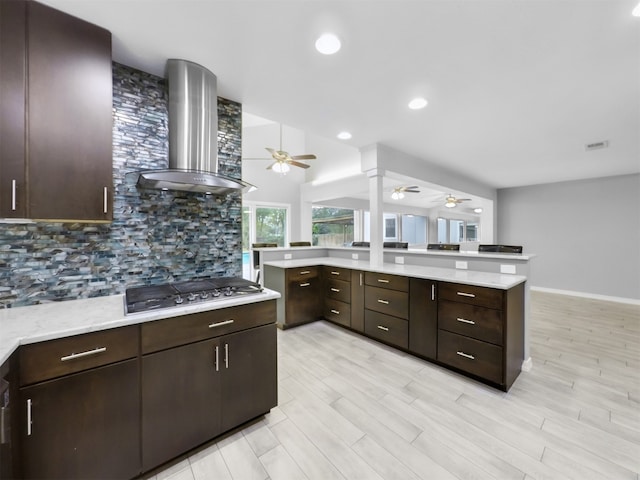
column 141, row 389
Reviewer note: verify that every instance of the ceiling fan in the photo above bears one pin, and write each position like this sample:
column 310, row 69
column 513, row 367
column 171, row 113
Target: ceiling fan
column 452, row 201
column 282, row 159
column 398, row 192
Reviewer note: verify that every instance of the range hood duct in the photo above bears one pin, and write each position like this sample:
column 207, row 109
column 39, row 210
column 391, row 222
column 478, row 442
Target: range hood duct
column 193, row 135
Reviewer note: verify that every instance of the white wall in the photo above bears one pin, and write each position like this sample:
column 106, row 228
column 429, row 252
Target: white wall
column 586, row 233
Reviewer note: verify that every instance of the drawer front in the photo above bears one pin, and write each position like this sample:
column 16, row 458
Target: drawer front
column 172, row 332
column 390, row 302
column 337, row 272
column 338, row 312
column 395, row 282
column 473, row 356
column 386, row 328
column 482, row 296
column 54, row 358
column 338, row 290
column 478, row 322
column 302, row 273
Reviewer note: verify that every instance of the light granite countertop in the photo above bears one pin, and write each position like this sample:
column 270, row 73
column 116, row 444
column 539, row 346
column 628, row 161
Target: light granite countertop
column 37, row 323
column 469, row 277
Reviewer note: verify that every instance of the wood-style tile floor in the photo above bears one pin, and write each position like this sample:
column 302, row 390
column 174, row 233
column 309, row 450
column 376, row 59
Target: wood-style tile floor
column 351, row 408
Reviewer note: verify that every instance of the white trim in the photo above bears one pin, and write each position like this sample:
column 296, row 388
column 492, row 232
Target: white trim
column 527, row 365
column 593, row 296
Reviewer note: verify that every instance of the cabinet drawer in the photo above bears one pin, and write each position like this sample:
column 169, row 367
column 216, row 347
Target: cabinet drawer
column 338, row 290
column 390, row 302
column 483, row 296
column 473, row 356
column 394, row 282
column 338, row 312
column 386, row 328
column 337, row 272
column 472, row 321
column 54, row 358
column 175, row 331
column 302, row 273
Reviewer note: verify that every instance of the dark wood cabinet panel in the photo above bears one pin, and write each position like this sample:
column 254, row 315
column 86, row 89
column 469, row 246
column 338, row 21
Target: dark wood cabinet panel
column 383, row 280
column 386, row 328
column 384, row 300
column 338, row 290
column 470, row 355
column 471, row 294
column 476, row 322
column 423, row 317
column 13, row 18
column 357, row 300
column 338, row 273
column 303, row 302
column 337, row 312
column 181, row 398
column 302, row 274
column 69, row 118
column 249, row 367
column 85, row 425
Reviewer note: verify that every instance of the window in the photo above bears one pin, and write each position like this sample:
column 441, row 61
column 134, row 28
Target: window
column 390, row 224
column 332, row 227
column 414, row 229
column 263, row 223
column 451, row 230
column 399, row 228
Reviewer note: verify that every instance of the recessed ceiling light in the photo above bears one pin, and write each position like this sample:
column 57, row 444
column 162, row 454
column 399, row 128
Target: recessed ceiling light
column 477, row 210
column 328, row 44
column 417, row 103
column 636, row 11
column 344, row 135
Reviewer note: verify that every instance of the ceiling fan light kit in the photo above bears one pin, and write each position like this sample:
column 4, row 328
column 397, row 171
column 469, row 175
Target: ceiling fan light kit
column 398, row 192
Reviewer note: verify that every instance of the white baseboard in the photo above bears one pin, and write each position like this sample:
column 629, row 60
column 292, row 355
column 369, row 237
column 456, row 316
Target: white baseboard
column 593, row 296
column 527, row 365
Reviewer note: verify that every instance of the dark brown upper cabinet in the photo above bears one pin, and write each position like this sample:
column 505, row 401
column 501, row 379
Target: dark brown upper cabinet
column 55, row 116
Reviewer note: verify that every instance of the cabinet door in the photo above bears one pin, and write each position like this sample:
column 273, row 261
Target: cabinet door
column 12, row 108
column 69, row 117
column 357, row 300
column 423, row 317
column 180, row 400
column 249, row 375
column 84, row 425
column 303, row 302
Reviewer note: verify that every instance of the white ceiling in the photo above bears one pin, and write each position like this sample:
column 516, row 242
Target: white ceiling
column 516, row 88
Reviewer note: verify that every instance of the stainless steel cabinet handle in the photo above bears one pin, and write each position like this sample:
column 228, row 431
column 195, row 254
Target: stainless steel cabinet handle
column 466, row 355
column 385, row 302
column 305, row 284
column 463, row 294
column 335, row 312
column 83, row 354
column 13, row 194
column 219, row 324
column 106, row 209
column 361, row 279
column 215, row 360
column 386, row 329
column 383, row 280
column 464, row 320
column 226, row 355
column 305, row 272
column 335, row 289
column 29, row 419
column 335, row 273
column 433, row 291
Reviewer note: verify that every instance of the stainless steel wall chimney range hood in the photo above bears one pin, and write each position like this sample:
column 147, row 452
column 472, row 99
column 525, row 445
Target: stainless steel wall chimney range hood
column 193, row 135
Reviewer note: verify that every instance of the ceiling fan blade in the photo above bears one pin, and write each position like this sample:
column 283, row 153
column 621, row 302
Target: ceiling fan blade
column 298, row 164
column 309, row 156
column 270, row 150
column 463, row 200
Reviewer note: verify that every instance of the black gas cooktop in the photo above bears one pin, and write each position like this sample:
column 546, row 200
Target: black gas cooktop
column 201, row 290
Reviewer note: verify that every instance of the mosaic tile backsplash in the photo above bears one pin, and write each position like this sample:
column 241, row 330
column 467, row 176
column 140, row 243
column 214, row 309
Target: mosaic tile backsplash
column 155, row 237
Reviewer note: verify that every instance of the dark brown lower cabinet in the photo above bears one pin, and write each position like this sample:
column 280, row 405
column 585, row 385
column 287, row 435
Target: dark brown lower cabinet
column 84, row 425
column 423, row 317
column 357, row 300
column 193, row 393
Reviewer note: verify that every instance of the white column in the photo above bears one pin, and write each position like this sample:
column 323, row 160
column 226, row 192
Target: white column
column 375, row 211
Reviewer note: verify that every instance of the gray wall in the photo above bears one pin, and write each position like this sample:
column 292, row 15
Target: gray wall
column 586, row 233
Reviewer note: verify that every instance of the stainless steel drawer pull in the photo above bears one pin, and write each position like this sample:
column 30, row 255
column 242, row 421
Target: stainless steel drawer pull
column 215, row 359
column 83, row 354
column 106, row 209
column 466, row 355
column 360, row 279
column 13, row 194
column 305, row 284
column 220, row 324
column 381, row 327
column 464, row 320
column 305, row 272
column 335, row 289
column 335, row 312
column 226, row 355
column 385, row 302
column 383, row 280
column 433, row 291
column 463, row 294
column 29, row 420
column 335, row 273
